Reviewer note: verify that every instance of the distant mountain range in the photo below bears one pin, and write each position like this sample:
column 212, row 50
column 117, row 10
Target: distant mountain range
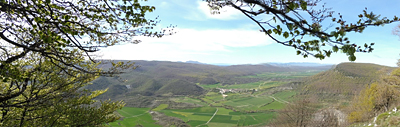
column 217, row 64
column 164, row 78
column 303, row 64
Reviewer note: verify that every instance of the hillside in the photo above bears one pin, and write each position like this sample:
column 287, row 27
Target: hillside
column 343, row 81
column 163, row 78
column 240, row 95
column 389, row 118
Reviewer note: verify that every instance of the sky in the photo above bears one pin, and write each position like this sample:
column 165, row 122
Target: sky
column 232, row 38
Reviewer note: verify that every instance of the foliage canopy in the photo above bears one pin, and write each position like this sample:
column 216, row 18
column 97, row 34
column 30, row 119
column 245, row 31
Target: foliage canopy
column 50, row 97
column 47, row 57
column 54, row 28
column 299, row 24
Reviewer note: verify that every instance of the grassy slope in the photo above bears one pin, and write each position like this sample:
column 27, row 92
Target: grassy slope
column 343, row 82
column 134, row 117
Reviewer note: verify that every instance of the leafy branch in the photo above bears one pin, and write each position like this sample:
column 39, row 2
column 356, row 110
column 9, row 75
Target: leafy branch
column 295, row 23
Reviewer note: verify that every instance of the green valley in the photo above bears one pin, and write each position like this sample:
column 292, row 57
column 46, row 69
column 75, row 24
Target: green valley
column 197, row 95
column 182, row 94
column 199, row 63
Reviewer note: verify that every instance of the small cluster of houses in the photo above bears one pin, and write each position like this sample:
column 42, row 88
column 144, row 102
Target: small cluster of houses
column 223, row 91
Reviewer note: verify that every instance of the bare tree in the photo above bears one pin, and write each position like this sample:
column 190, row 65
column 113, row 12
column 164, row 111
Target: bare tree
column 296, row 114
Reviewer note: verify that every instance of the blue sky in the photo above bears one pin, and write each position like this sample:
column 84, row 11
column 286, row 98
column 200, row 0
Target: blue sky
column 232, row 38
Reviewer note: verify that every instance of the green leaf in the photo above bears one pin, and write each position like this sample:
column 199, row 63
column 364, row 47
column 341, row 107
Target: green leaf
column 292, row 6
column 352, row 58
column 36, row 19
column 269, row 31
column 335, row 48
column 328, row 53
column 290, row 26
column 297, row 32
column 298, row 41
column 336, row 34
column 342, row 33
column 303, row 5
column 47, row 40
column 275, row 31
column 286, row 34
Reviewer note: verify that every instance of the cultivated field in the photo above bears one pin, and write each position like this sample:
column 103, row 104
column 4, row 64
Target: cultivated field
column 249, row 104
column 133, row 117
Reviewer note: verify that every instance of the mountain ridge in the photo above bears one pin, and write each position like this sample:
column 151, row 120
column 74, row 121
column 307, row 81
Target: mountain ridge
column 344, row 81
column 160, row 78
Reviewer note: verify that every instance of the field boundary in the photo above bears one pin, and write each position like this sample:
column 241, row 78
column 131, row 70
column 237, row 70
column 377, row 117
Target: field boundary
column 281, row 101
column 210, row 118
column 132, row 115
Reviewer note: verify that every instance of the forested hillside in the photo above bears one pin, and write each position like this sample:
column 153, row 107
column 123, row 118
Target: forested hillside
column 344, row 81
column 345, row 95
column 163, row 78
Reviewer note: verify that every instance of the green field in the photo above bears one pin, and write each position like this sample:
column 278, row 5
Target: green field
column 283, row 75
column 249, row 86
column 194, row 117
column 160, row 107
column 223, row 117
column 133, row 117
column 261, row 104
column 198, row 117
column 285, row 95
column 189, row 100
column 243, row 107
column 247, row 101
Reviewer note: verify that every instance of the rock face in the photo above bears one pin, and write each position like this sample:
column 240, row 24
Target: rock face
column 329, row 118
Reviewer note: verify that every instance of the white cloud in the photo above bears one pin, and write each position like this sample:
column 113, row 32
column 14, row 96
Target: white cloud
column 164, row 4
column 187, row 42
column 212, row 39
